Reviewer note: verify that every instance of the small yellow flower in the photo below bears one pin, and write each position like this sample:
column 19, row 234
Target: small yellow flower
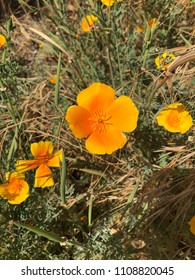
column 109, row 3
column 41, row 45
column 102, row 119
column 44, row 158
column 192, row 225
column 88, row 23
column 140, row 29
column 152, row 23
column 164, row 61
column 52, row 80
column 175, row 118
column 16, row 189
column 2, row 40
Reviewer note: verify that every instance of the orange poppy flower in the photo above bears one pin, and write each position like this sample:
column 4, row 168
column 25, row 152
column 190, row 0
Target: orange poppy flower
column 52, row 80
column 88, row 23
column 152, row 23
column 2, row 40
column 164, row 61
column 192, row 225
column 175, row 118
column 102, row 118
column 16, row 189
column 44, row 158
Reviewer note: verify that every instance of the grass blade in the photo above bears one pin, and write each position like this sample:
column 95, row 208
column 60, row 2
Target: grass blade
column 90, row 212
column 49, row 235
column 63, row 179
column 56, row 99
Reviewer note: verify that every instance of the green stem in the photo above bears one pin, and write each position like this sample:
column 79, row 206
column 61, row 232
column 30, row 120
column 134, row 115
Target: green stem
column 56, row 98
column 90, row 212
column 130, row 198
column 111, row 67
column 63, row 180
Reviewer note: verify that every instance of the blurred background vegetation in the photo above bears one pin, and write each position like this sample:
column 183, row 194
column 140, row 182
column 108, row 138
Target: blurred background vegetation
column 133, row 204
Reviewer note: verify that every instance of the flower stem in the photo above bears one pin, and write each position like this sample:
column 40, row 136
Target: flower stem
column 90, row 212
column 63, row 180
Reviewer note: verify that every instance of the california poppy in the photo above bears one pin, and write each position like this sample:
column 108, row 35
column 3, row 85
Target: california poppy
column 175, row 118
column 102, row 119
column 152, row 23
column 88, row 23
column 52, row 79
column 16, row 189
column 44, row 158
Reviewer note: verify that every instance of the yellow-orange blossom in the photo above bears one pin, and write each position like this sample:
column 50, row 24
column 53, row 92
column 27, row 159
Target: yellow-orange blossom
column 175, row 118
column 109, row 3
column 152, row 23
column 16, row 189
column 101, row 118
column 164, row 61
column 44, row 158
column 88, row 23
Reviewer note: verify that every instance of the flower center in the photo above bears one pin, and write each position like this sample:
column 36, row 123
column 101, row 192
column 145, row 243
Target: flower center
column 101, row 121
column 14, row 187
column 44, row 159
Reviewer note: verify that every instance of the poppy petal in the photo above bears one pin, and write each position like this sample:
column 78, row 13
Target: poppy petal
column 186, row 122
column 43, row 177
column 162, row 118
column 105, row 142
column 2, row 40
column 55, row 160
column 97, row 97
column 79, row 121
column 41, row 149
column 25, row 165
column 124, row 114
column 2, row 190
column 14, row 175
